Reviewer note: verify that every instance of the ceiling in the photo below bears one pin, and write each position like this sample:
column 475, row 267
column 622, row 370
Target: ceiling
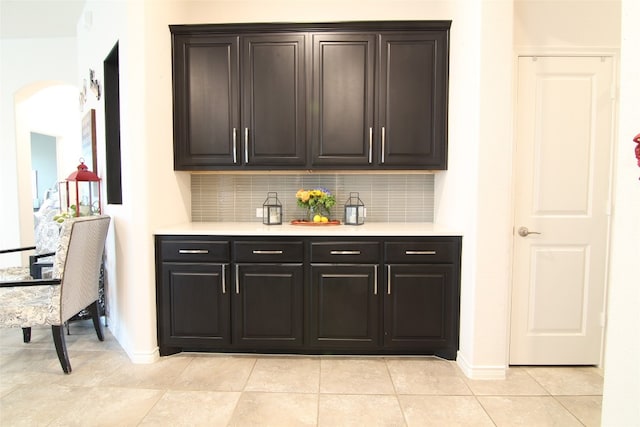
column 39, row 18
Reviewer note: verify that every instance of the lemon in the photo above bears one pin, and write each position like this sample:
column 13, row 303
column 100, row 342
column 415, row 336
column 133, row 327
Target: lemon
column 317, row 218
column 324, row 219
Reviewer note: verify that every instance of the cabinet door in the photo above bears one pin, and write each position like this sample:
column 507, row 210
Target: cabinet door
column 421, row 312
column 343, row 106
column 344, row 306
column 194, row 306
column 273, row 113
column 268, row 306
column 206, row 102
column 413, row 100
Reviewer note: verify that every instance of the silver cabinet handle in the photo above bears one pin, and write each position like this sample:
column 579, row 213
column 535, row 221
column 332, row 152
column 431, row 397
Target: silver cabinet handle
column 524, row 232
column 246, row 145
column 370, row 145
column 388, row 280
column 193, row 251
column 224, row 279
column 235, row 146
column 375, row 279
column 345, row 252
column 237, row 279
column 419, row 252
column 383, row 138
column 260, row 252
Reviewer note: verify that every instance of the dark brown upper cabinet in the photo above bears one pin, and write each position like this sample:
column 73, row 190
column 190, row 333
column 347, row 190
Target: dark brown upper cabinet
column 273, row 108
column 342, row 102
column 412, row 107
column 352, row 95
column 206, row 101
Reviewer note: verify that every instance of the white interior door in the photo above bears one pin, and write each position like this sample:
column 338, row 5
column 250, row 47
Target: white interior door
column 563, row 140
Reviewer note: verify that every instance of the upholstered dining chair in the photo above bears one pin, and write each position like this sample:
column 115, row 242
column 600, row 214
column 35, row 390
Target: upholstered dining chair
column 46, row 233
column 72, row 288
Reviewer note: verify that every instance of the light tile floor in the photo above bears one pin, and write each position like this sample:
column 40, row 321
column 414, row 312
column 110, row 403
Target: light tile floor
column 194, row 389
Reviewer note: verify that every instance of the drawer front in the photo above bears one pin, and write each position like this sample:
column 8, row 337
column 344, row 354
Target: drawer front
column 424, row 252
column 195, row 251
column 345, row 252
column 266, row 251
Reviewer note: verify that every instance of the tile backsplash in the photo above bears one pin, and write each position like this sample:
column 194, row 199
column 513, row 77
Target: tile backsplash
column 387, row 197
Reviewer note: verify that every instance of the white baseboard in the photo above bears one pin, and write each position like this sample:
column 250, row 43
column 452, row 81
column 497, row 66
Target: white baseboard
column 145, row 358
column 481, row 372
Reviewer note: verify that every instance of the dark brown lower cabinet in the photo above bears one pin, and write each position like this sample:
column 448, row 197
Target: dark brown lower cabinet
column 267, row 305
column 420, row 308
column 315, row 295
column 195, row 309
column 344, row 310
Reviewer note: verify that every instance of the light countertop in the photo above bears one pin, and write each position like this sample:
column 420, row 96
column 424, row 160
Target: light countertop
column 258, row 229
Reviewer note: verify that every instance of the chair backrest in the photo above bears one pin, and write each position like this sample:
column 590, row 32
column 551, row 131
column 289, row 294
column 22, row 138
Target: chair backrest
column 47, row 231
column 77, row 262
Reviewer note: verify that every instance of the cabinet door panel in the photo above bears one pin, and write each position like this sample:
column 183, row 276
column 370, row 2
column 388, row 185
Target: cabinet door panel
column 343, row 83
column 206, row 98
column 344, row 306
column 197, row 310
column 268, row 305
column 413, row 91
column 420, row 307
column 274, row 94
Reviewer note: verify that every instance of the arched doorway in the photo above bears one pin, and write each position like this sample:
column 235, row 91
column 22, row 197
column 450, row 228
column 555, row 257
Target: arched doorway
column 45, row 108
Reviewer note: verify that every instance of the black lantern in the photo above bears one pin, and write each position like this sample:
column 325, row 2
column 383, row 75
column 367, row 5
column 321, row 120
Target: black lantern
column 272, row 210
column 80, row 192
column 354, row 210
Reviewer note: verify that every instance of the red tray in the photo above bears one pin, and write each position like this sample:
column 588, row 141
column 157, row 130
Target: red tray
column 304, row 222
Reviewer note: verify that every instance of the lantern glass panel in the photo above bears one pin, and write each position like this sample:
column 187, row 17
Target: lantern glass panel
column 354, row 210
column 272, row 210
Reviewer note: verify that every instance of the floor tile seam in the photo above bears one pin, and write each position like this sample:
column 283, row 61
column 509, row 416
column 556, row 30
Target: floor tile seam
column 246, row 380
column 355, row 394
column 575, row 395
column 279, row 391
column 568, row 410
column 393, row 384
column 485, row 411
column 436, row 394
column 160, row 397
column 525, row 369
column 319, row 388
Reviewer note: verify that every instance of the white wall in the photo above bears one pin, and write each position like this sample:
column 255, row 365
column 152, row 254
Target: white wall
column 621, row 368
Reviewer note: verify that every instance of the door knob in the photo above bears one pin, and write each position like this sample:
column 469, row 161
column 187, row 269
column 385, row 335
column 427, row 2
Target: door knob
column 524, row 231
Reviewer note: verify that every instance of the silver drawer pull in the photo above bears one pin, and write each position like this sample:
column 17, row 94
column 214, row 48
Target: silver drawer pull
column 370, row 145
column 420, row 252
column 235, row 147
column 237, row 279
column 193, row 251
column 224, row 279
column 259, row 252
column 345, row 252
column 375, row 279
column 246, row 145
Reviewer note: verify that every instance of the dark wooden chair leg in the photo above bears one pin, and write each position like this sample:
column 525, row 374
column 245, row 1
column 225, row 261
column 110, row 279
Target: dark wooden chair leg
column 94, row 309
column 26, row 334
column 61, row 347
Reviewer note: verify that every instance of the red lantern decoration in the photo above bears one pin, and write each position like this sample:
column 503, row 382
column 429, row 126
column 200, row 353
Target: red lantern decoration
column 81, row 192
